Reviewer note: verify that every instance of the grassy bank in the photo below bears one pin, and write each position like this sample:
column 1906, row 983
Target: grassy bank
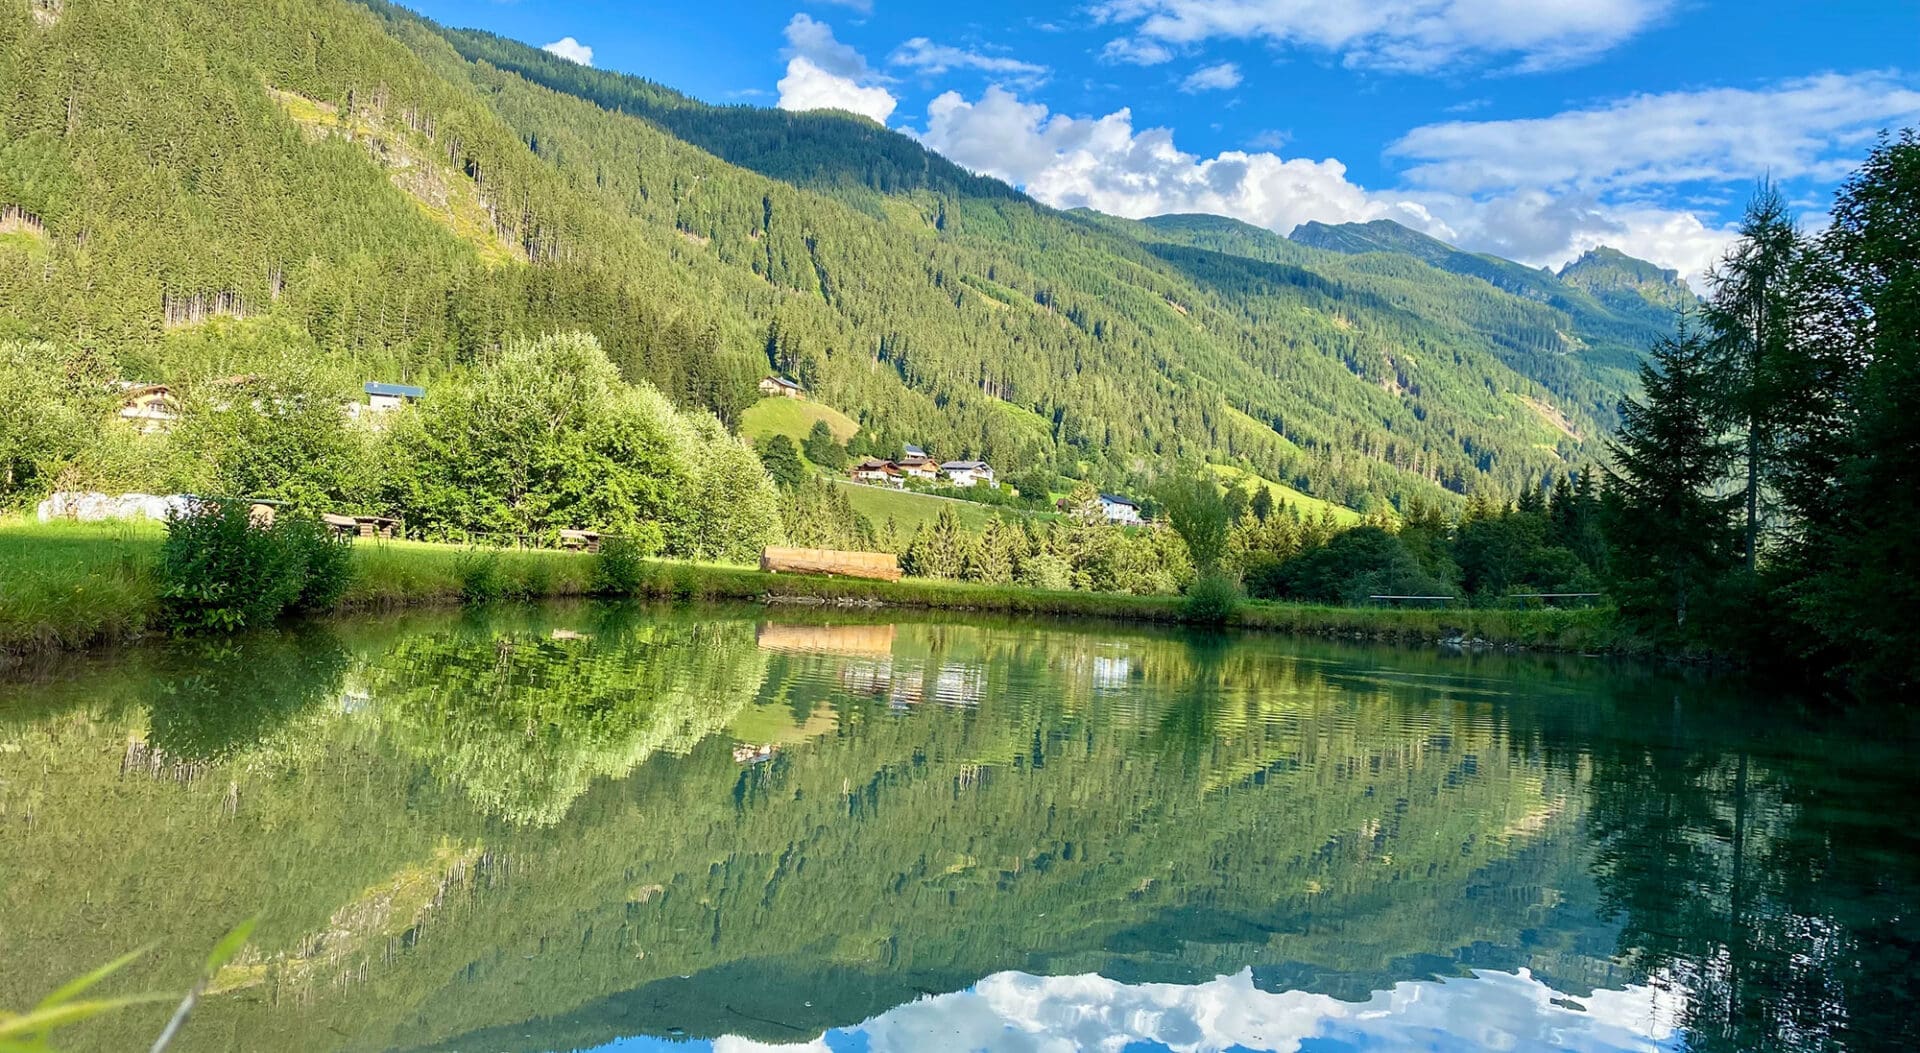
column 69, row 586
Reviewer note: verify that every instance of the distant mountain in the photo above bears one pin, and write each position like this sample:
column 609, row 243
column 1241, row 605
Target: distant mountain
column 351, row 179
column 1626, row 283
column 1637, row 306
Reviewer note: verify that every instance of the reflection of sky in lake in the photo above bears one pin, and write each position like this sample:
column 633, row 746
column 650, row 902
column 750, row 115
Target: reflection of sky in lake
column 1018, row 1013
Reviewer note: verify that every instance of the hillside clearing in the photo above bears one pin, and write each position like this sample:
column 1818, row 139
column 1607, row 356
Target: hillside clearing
column 910, row 511
column 793, row 418
column 1307, row 505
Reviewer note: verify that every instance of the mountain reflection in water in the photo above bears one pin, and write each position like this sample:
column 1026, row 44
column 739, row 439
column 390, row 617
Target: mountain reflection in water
column 580, row 827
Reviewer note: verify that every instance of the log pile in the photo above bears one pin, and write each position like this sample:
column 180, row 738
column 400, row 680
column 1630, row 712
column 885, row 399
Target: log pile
column 880, row 566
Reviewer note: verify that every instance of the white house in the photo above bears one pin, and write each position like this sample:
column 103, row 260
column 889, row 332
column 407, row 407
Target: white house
column 1118, row 509
column 383, row 397
column 968, row 473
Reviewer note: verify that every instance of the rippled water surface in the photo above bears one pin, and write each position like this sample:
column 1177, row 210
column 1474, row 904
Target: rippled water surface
column 588, row 828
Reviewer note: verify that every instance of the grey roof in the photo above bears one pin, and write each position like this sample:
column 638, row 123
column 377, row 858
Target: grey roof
column 785, row 383
column 965, row 466
column 1116, row 499
column 406, row 391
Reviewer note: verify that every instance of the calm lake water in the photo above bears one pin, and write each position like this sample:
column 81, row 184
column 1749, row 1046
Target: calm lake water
column 617, row 829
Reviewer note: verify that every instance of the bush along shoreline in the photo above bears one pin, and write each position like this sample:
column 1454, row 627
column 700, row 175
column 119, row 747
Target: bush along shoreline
column 67, row 587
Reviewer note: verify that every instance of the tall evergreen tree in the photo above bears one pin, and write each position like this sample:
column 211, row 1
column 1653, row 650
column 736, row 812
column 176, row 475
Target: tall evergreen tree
column 1866, row 588
column 1749, row 316
column 1673, row 536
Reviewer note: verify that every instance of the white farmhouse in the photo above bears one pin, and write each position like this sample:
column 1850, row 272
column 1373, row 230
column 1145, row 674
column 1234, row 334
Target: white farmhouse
column 1118, row 509
column 969, row 473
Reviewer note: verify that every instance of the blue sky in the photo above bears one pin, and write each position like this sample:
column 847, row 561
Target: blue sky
column 1532, row 128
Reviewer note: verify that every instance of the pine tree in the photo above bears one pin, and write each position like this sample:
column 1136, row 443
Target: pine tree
column 1750, row 317
column 782, row 462
column 1672, row 537
column 1866, row 588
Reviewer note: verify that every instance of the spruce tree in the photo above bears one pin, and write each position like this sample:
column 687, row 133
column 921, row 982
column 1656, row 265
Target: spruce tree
column 1750, row 316
column 1672, row 536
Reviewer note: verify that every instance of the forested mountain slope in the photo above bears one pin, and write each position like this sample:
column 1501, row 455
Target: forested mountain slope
column 202, row 180
column 1606, row 332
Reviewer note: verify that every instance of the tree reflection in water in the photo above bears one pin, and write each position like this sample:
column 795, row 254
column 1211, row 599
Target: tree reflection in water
column 548, row 829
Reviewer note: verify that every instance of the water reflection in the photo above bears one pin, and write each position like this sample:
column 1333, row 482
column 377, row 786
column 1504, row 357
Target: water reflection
column 591, row 827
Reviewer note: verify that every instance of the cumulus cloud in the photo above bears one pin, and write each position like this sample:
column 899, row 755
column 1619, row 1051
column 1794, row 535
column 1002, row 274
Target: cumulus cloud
column 813, row 40
column 927, row 57
column 1223, row 76
column 1540, row 191
column 1103, row 163
column 1405, row 35
column 809, row 87
column 825, row 74
column 1813, row 127
column 1020, row 1013
column 1136, row 51
column 571, row 50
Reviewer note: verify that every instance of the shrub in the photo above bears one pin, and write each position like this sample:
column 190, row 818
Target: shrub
column 619, row 569
column 1212, row 599
column 220, row 571
column 1047, row 571
column 326, row 561
column 480, row 577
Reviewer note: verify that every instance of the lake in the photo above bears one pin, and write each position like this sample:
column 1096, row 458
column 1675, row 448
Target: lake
column 596, row 828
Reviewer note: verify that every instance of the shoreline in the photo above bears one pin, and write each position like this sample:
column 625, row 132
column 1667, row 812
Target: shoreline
column 74, row 588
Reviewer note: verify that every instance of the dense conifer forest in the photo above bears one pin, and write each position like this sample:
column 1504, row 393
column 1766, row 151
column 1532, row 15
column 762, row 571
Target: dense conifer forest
column 191, row 188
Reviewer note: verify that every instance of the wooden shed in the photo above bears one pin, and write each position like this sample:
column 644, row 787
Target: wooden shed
column 362, row 526
column 881, row 566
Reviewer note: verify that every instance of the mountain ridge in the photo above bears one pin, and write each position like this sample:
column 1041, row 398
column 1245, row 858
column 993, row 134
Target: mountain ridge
column 389, row 192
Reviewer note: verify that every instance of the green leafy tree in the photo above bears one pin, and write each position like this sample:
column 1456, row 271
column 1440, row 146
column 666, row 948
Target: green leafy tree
column 1194, row 507
column 50, row 415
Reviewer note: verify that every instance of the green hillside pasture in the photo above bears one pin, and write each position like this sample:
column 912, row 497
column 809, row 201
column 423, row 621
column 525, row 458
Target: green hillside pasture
column 910, row 511
column 1308, row 506
column 793, row 418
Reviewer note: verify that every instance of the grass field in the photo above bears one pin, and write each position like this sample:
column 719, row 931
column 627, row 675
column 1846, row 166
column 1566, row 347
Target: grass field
column 69, row 586
column 793, row 418
column 910, row 511
column 1308, row 505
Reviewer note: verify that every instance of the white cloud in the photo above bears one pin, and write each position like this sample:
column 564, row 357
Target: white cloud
column 1020, row 1013
column 1407, row 35
column 808, row 87
column 1540, row 191
column 933, row 59
column 824, row 74
column 1813, row 127
column 813, row 40
column 571, row 50
column 1134, row 51
column 865, row 7
column 1223, row 76
column 1103, row 163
